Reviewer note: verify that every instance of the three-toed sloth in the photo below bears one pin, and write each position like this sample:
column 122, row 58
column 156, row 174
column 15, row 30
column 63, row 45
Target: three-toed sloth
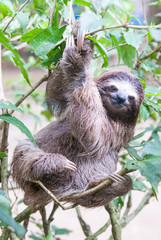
column 80, row 150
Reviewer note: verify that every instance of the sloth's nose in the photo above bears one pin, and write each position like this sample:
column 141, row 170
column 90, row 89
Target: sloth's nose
column 121, row 98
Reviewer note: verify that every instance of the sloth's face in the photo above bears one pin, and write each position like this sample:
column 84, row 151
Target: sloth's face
column 120, row 99
column 119, row 94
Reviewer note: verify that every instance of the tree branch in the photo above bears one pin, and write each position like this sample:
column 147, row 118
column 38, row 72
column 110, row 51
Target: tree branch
column 85, row 227
column 44, row 221
column 123, row 26
column 99, row 187
column 144, row 201
column 115, row 221
column 52, row 195
column 99, row 232
column 137, row 65
column 22, row 6
column 26, row 213
column 29, row 92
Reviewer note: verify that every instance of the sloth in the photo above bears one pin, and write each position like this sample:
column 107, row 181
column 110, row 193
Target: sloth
column 97, row 117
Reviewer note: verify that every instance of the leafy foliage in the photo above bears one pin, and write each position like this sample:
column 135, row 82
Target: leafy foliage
column 6, row 218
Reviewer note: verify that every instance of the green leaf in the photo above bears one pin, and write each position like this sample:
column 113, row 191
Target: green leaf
column 139, row 135
column 16, row 122
column 152, row 147
column 60, row 231
column 139, row 186
column 132, row 164
column 101, row 49
column 151, row 169
column 133, row 39
column 128, row 55
column 2, row 155
column 116, row 44
column 50, row 236
column 45, row 40
column 132, row 152
column 8, row 4
column 144, row 111
column 16, row 57
column 156, row 34
column 35, row 238
column 91, row 21
column 9, row 105
column 5, row 216
column 155, row 3
column 23, row 19
column 40, row 6
column 31, row 34
column 155, row 106
column 83, row 3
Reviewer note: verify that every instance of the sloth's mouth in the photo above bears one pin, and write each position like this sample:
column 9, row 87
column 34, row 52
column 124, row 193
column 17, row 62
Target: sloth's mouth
column 118, row 103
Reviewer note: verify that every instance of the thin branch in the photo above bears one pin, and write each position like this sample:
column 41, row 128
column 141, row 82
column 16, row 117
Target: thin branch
column 28, row 27
column 55, row 207
column 99, row 232
column 153, row 51
column 85, row 227
column 128, row 207
column 1, row 82
column 137, row 65
column 26, row 213
column 144, row 201
column 26, row 223
column 44, row 221
column 123, row 26
column 99, row 187
column 115, row 221
column 22, row 6
column 4, row 161
column 52, row 195
column 29, row 92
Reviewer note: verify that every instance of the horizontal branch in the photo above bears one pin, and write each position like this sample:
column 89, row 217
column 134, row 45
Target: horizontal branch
column 123, row 26
column 99, row 187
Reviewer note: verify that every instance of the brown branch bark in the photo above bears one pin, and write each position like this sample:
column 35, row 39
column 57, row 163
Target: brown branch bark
column 126, row 26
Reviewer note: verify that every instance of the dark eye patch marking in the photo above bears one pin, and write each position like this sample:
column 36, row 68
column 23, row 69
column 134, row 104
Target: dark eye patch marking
column 131, row 98
column 111, row 88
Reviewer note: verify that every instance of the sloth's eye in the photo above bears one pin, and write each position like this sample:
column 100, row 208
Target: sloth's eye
column 131, row 98
column 112, row 88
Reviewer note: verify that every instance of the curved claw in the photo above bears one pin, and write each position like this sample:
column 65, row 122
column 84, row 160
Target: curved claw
column 70, row 42
column 116, row 178
column 80, row 39
column 70, row 165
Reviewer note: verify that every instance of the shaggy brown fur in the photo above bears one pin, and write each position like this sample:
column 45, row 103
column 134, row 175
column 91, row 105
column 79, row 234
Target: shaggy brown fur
column 95, row 122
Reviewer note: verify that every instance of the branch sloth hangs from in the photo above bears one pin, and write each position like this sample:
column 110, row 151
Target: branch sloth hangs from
column 80, row 150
